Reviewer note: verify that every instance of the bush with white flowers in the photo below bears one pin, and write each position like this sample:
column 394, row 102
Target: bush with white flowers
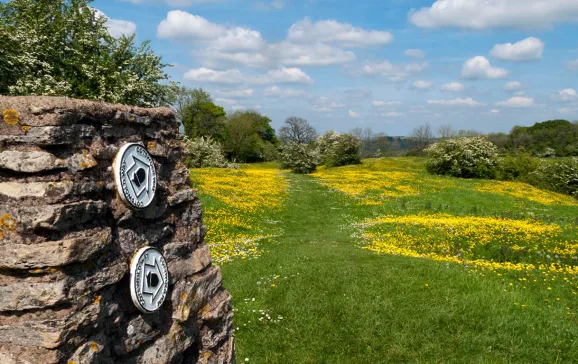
column 205, row 152
column 560, row 176
column 474, row 157
column 300, row 158
column 338, row 149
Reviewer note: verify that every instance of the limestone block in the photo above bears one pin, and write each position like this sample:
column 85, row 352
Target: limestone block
column 54, row 253
column 30, row 162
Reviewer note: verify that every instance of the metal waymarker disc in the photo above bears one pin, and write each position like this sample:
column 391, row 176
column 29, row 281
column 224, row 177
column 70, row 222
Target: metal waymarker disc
column 149, row 279
column 135, row 176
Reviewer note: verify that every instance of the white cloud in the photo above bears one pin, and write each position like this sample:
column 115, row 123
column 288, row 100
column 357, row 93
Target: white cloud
column 392, row 114
column 422, row 85
column 353, row 114
column 236, row 94
column 517, row 102
column 275, row 91
column 116, row 27
column 414, row 53
column 393, row 72
column 234, row 76
column 495, row 111
column 378, row 103
column 479, row 68
column 572, row 65
column 239, row 39
column 453, row 87
column 223, row 100
column 332, row 31
column 288, row 53
column 324, row 104
column 484, row 14
column 183, row 26
column 220, row 46
column 456, row 102
column 567, row 95
column 529, row 49
column 511, row 86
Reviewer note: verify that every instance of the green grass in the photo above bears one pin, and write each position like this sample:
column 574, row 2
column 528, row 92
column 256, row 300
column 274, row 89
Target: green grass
column 333, row 302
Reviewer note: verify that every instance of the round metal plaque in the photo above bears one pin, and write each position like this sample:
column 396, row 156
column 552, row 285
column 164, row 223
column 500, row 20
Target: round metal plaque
column 135, row 176
column 149, row 279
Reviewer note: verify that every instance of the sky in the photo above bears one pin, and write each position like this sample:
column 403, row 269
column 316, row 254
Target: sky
column 388, row 65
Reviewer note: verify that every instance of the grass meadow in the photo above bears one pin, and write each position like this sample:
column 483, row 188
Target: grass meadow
column 384, row 263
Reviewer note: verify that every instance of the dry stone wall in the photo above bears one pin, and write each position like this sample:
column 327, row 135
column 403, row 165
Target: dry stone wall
column 66, row 241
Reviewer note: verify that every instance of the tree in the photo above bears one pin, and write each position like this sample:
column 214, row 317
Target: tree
column 199, row 115
column 421, row 137
column 446, row 131
column 63, row 48
column 297, row 130
column 248, row 136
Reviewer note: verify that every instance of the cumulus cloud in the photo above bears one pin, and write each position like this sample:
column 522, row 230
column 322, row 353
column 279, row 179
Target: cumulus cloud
column 456, row 102
column 353, row 114
column 414, row 53
column 567, row 95
column 495, row 111
column 275, row 91
column 226, row 101
column 324, row 104
column 517, row 102
column 220, row 46
column 116, row 27
column 392, row 114
column 236, row 94
column 572, row 65
column 422, row 85
column 183, row 26
column 529, row 49
column 234, row 76
column 484, row 14
column 393, row 72
column 378, row 103
column 453, row 87
column 512, row 86
column 479, row 67
column 331, row 31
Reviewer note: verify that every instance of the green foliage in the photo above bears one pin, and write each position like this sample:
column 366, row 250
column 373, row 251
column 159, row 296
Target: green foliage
column 249, row 136
column 205, row 152
column 516, row 166
column 560, row 136
column 473, row 157
column 299, row 158
column 558, row 176
column 338, row 149
column 62, row 48
column 199, row 115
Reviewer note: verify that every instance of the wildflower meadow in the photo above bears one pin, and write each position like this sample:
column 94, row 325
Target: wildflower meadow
column 383, row 262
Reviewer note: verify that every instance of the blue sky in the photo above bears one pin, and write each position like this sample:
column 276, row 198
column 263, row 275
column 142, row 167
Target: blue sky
column 388, row 65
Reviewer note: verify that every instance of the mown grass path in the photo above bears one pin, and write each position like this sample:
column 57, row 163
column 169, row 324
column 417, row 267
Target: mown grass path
column 325, row 300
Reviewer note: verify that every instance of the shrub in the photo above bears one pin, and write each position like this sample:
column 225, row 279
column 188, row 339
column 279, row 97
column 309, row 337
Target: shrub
column 204, row 152
column 270, row 152
column 516, row 166
column 300, row 158
column 475, row 157
column 559, row 176
column 338, row 149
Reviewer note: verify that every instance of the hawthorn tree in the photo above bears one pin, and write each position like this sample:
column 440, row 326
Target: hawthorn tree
column 63, row 48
